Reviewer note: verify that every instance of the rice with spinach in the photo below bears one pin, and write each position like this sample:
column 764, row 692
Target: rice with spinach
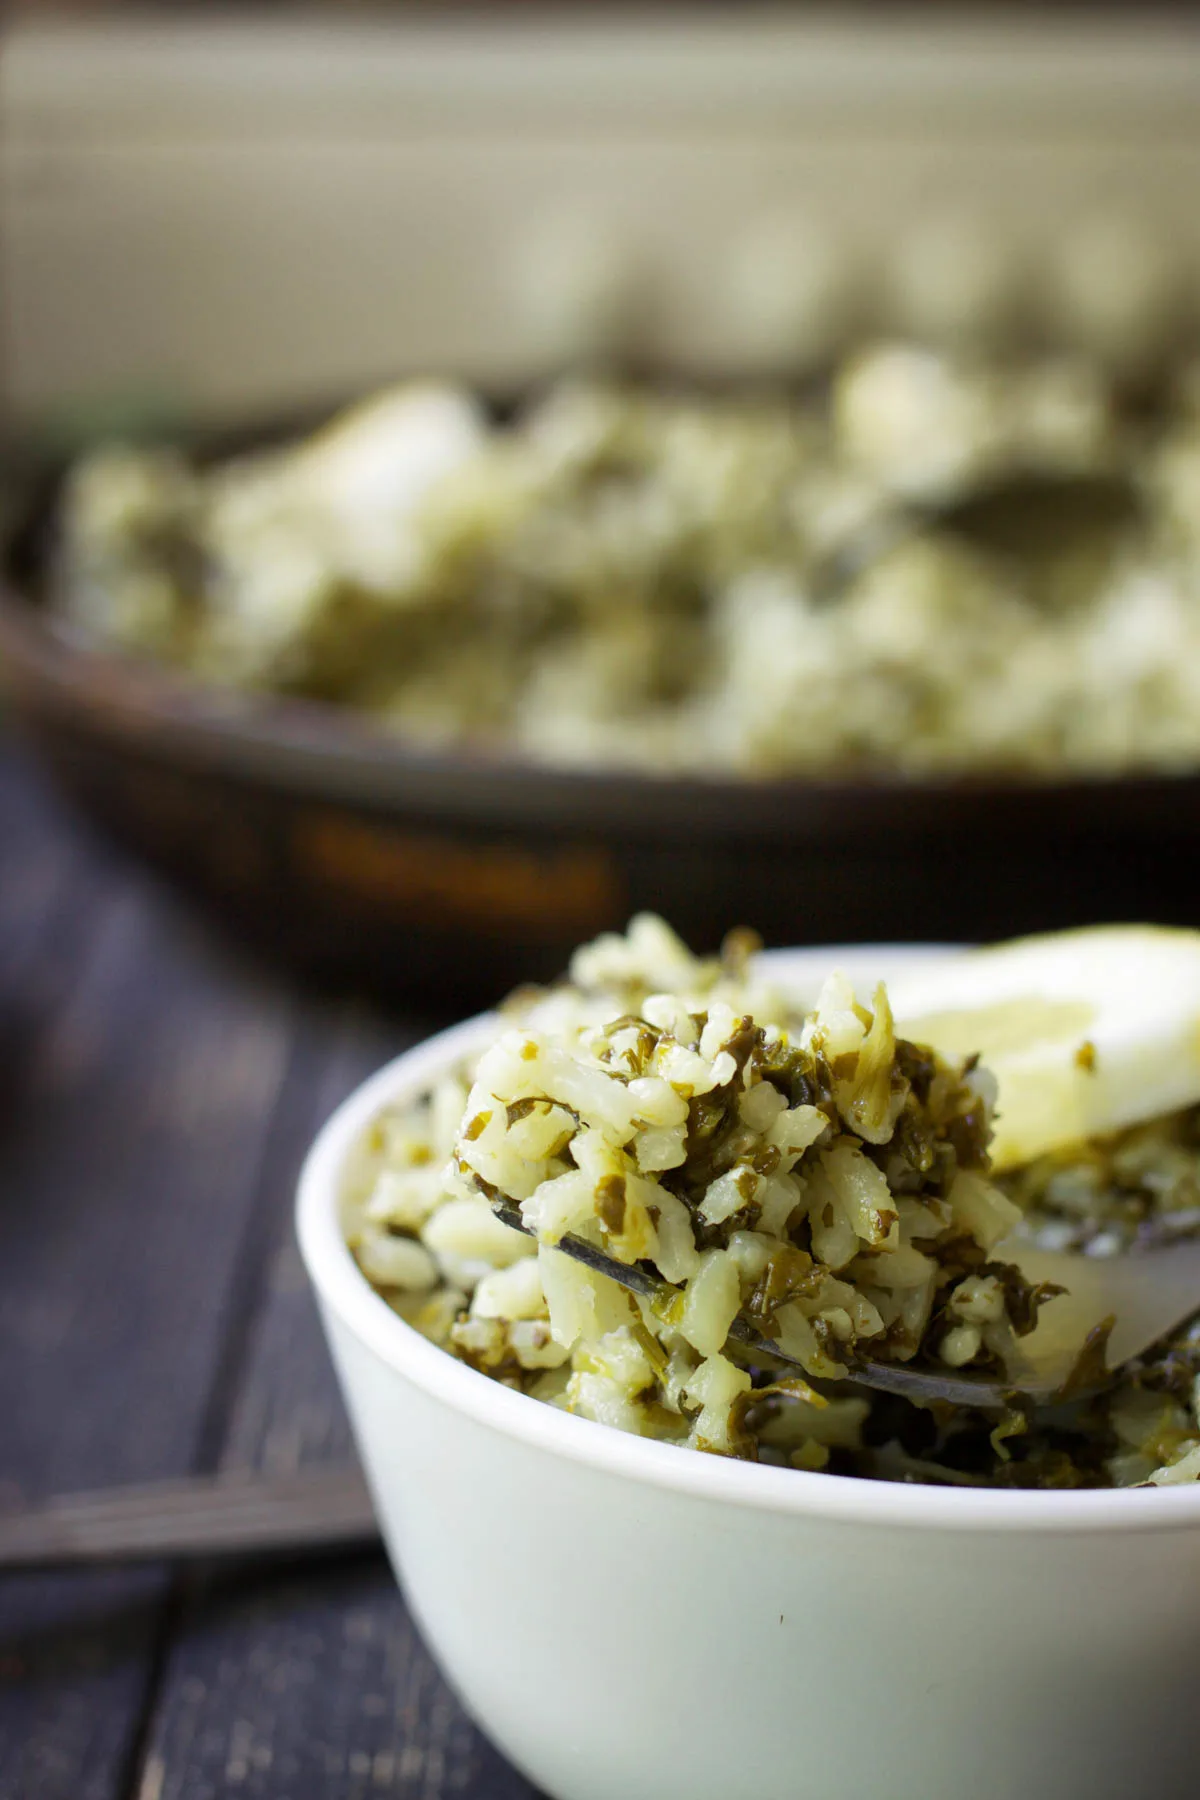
column 814, row 1174
column 625, row 576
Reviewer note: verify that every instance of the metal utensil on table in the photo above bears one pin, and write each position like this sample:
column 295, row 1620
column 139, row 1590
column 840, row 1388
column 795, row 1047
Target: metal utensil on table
column 207, row 1515
column 1149, row 1293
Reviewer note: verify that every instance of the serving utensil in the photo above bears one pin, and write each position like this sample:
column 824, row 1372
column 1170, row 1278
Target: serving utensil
column 1146, row 1295
column 1022, row 515
column 206, row 1515
column 1151, row 1291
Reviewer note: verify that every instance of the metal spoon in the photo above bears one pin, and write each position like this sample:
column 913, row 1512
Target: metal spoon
column 1149, row 1293
column 1018, row 512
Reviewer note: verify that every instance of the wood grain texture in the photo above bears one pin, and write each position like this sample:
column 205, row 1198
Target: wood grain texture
column 315, row 1688
column 156, row 1098
column 73, row 1655
column 142, row 1078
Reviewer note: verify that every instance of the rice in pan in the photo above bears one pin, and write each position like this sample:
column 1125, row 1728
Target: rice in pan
column 756, row 585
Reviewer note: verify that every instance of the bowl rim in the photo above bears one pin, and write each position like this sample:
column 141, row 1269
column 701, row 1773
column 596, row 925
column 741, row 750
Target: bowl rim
column 344, row 1291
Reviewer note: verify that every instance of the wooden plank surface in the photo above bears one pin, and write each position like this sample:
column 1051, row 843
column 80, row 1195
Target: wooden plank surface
column 317, row 1684
column 155, row 1099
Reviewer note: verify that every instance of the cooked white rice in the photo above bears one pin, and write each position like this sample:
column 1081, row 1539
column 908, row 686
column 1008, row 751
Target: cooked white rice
column 623, row 577
column 811, row 1174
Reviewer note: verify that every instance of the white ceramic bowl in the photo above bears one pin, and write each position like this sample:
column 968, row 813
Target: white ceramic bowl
column 632, row 1621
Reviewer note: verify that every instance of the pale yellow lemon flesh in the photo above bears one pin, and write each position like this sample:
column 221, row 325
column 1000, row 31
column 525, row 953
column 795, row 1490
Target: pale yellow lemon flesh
column 1086, row 1031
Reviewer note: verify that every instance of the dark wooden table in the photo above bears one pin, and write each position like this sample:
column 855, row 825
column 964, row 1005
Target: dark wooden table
column 156, row 1096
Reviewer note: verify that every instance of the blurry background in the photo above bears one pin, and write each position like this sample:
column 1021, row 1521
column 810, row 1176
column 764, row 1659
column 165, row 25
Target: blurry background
column 236, row 213
column 856, row 592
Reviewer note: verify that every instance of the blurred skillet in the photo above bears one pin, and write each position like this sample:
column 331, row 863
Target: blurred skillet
column 450, row 877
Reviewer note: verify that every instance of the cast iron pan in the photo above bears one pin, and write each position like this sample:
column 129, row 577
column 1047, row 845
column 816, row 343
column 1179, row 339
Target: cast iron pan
column 452, row 877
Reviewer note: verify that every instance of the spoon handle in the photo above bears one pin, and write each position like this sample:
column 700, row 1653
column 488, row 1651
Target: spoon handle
column 202, row 1516
column 923, row 1386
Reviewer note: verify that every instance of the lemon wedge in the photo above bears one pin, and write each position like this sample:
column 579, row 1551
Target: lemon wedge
column 1085, row 1031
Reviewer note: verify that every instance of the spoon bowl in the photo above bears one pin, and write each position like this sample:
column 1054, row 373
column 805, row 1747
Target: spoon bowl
column 1134, row 1300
